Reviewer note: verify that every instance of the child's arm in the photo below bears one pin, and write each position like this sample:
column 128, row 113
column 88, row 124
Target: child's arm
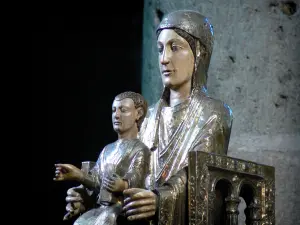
column 69, row 172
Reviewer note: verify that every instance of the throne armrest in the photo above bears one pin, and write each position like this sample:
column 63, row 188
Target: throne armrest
column 233, row 178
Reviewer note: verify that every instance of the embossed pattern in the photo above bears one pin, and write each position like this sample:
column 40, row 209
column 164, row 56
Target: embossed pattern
column 239, row 174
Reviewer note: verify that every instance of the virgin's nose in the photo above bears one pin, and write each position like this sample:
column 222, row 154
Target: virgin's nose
column 165, row 57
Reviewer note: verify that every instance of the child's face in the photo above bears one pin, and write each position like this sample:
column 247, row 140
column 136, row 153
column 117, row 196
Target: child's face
column 124, row 115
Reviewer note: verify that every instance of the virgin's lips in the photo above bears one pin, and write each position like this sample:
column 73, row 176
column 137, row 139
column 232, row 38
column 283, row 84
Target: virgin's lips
column 167, row 72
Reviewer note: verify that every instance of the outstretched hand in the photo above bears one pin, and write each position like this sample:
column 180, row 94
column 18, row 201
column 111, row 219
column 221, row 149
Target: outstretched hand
column 67, row 172
column 114, row 183
column 139, row 203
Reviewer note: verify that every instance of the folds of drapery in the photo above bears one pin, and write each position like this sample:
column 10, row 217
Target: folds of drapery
column 206, row 126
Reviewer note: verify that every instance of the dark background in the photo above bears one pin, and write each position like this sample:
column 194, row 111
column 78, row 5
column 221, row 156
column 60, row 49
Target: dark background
column 79, row 64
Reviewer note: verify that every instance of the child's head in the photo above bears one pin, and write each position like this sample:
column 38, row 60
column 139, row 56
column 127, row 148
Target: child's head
column 128, row 111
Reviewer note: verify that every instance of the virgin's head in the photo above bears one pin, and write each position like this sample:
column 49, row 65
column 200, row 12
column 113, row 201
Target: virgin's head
column 176, row 59
column 184, row 42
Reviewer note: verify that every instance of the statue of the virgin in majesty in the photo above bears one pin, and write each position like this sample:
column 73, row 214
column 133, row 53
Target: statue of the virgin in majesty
column 184, row 119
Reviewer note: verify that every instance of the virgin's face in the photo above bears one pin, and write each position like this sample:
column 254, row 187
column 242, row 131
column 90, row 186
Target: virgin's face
column 176, row 59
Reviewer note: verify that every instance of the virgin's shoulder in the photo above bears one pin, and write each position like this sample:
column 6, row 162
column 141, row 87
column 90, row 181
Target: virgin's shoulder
column 212, row 106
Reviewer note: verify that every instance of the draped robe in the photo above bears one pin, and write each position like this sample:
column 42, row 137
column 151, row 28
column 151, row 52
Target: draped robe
column 127, row 158
column 198, row 124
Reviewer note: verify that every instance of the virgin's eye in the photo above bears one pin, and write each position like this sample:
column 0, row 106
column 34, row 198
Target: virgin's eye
column 160, row 49
column 113, row 110
column 174, row 48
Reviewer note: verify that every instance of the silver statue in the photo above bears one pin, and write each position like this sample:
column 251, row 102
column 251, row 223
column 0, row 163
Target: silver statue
column 121, row 165
column 185, row 119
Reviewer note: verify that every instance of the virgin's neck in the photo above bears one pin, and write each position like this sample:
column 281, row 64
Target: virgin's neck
column 179, row 95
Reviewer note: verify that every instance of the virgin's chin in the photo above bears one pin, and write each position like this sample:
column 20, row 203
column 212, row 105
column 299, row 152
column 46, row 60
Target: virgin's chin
column 169, row 85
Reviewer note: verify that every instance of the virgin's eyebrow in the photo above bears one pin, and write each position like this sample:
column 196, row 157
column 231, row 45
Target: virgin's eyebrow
column 171, row 40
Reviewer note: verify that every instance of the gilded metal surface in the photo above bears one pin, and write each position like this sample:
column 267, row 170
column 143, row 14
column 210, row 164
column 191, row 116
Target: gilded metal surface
column 171, row 199
column 101, row 215
column 207, row 169
column 199, row 122
column 128, row 159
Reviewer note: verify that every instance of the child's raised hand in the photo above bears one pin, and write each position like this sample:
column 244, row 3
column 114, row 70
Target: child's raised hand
column 67, row 172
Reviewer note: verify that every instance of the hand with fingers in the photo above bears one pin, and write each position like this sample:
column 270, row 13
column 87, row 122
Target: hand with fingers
column 74, row 201
column 114, row 183
column 67, row 172
column 139, row 204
